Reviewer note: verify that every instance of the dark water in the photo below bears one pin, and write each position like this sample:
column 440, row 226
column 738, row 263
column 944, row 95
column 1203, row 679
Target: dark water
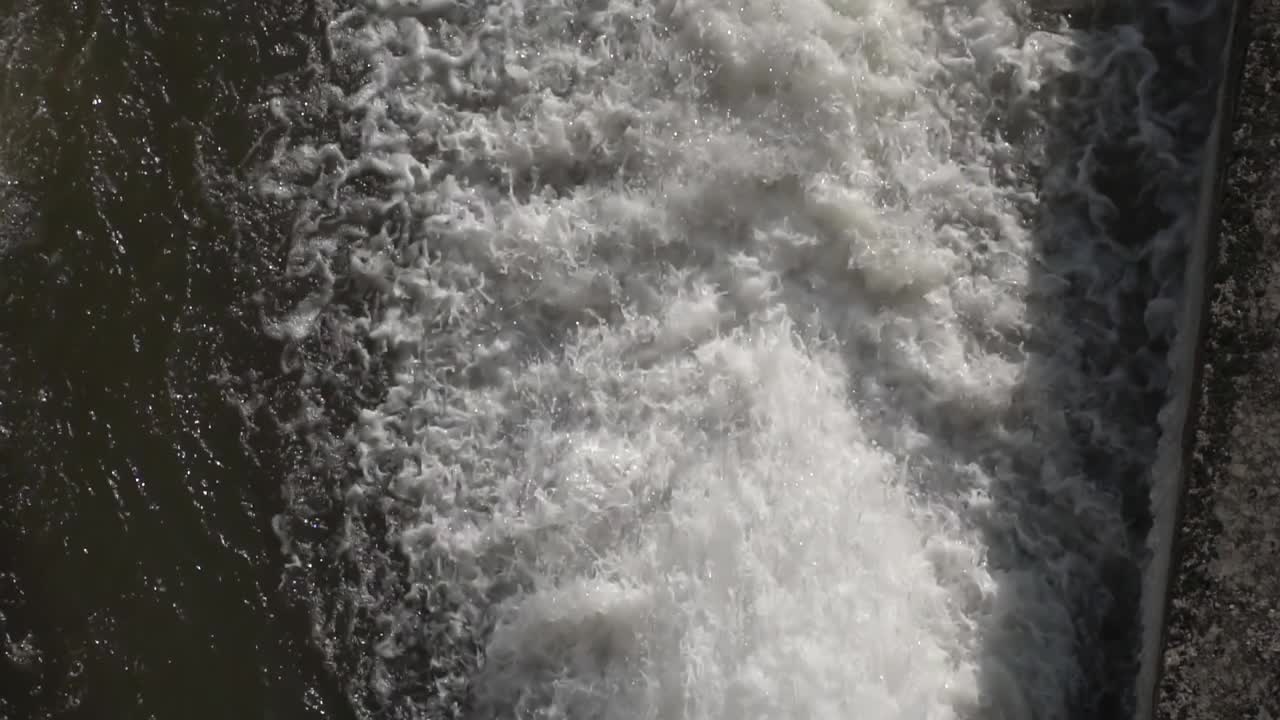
column 138, row 574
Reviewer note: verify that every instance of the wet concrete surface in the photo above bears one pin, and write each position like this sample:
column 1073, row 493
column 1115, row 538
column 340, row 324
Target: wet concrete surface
column 1222, row 653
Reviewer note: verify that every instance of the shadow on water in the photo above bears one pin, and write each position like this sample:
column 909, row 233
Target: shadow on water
column 139, row 576
column 1068, row 513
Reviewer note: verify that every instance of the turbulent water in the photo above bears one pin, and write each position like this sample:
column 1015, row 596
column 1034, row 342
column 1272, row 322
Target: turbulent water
column 729, row 359
column 742, row 359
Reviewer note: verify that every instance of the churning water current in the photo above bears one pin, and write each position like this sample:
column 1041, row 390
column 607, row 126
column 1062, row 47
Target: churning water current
column 730, row 359
column 746, row 359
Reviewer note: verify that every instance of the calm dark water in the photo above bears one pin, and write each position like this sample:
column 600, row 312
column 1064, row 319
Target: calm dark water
column 139, row 577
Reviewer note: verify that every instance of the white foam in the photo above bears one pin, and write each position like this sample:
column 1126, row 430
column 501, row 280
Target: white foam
column 710, row 329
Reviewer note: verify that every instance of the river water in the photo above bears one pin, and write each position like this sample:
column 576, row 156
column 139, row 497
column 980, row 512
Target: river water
column 587, row 358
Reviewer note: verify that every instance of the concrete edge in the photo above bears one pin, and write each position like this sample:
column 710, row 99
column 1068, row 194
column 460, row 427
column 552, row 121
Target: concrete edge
column 1173, row 460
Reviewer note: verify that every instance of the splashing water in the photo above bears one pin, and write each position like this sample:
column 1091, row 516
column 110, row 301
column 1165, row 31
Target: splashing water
column 727, row 372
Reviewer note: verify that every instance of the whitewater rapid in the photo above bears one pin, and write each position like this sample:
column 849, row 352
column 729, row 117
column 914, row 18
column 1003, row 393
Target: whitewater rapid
column 736, row 360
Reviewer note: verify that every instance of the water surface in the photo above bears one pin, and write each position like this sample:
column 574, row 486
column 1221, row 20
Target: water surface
column 695, row 359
